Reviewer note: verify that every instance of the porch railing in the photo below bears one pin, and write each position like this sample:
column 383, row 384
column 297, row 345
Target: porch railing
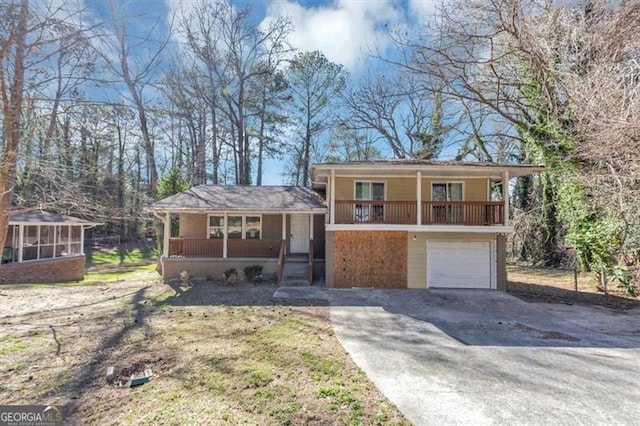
column 195, row 247
column 391, row 212
column 253, row 248
column 463, row 213
column 470, row 213
column 203, row 247
column 281, row 259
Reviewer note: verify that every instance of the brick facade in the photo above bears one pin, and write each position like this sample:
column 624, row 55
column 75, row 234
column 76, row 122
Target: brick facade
column 44, row 271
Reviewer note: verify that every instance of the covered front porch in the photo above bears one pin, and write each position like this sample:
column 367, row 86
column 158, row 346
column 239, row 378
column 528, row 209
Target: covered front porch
column 266, row 236
column 210, row 229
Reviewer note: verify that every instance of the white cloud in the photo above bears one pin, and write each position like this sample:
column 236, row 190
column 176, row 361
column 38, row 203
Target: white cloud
column 424, row 9
column 344, row 31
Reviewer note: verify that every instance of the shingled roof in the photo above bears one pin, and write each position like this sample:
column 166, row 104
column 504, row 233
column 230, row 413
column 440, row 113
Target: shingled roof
column 243, row 198
column 42, row 217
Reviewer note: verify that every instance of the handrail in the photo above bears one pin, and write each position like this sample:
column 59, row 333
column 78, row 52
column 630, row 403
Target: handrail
column 281, row 260
column 310, row 261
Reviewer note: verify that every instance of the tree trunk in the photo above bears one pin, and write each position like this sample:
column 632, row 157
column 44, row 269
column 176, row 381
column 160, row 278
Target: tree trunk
column 12, row 99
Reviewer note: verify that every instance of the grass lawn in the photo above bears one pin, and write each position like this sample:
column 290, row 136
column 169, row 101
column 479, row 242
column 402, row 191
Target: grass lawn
column 217, row 354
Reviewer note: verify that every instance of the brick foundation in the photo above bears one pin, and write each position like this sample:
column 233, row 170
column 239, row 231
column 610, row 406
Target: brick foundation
column 43, row 271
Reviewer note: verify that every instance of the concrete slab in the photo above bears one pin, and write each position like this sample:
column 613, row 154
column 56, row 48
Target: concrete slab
column 301, row 293
column 485, row 357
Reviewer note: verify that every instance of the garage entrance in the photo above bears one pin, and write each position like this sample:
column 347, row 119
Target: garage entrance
column 461, row 264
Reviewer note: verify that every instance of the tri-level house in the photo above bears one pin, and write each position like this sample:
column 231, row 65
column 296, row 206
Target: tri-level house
column 386, row 223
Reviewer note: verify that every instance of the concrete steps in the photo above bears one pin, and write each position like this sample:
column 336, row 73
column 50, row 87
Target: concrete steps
column 295, row 273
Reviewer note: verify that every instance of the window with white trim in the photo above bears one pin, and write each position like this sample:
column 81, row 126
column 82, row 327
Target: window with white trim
column 370, row 211
column 237, row 226
column 444, row 207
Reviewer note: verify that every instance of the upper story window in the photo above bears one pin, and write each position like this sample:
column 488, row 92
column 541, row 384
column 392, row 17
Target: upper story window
column 370, row 211
column 369, row 191
column 445, row 212
column 449, row 191
column 237, row 227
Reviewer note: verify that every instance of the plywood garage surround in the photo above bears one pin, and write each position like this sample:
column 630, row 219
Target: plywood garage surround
column 370, row 259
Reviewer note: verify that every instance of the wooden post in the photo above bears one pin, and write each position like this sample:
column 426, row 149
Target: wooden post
column 332, row 197
column 167, row 235
column 225, row 235
column 419, row 197
column 505, row 196
column 81, row 239
column 20, row 242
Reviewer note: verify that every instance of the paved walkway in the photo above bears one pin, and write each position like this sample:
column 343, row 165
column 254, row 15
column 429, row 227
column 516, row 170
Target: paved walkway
column 483, row 357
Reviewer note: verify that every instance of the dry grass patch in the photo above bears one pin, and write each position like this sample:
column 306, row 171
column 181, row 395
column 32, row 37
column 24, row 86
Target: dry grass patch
column 547, row 285
column 219, row 355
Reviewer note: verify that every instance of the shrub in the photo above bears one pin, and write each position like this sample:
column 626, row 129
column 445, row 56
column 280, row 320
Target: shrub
column 253, row 273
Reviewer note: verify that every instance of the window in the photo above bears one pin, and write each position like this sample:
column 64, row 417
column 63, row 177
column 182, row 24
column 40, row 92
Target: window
column 444, row 206
column 237, row 227
column 369, row 211
column 252, row 228
column 216, row 226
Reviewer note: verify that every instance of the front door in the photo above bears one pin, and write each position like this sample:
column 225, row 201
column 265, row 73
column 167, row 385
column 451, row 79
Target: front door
column 299, row 236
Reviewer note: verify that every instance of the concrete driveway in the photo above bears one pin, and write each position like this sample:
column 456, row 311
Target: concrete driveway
column 447, row 357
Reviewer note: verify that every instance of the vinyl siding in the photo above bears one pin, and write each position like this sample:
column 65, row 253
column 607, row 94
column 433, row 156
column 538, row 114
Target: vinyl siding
column 404, row 189
column 272, row 226
column 193, row 225
column 417, row 252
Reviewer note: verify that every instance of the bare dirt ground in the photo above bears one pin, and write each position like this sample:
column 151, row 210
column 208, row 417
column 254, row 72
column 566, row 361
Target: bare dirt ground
column 215, row 354
column 542, row 285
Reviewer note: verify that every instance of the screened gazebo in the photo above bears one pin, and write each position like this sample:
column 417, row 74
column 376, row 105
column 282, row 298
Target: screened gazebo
column 38, row 234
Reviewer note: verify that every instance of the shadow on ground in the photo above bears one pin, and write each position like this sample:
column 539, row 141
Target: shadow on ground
column 487, row 318
column 216, row 293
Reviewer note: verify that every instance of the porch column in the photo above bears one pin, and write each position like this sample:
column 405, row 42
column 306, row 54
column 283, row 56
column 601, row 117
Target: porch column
column 20, row 242
column 311, row 227
column 38, row 242
column 505, row 196
column 284, row 226
column 332, row 197
column 419, row 196
column 225, row 236
column 166, row 235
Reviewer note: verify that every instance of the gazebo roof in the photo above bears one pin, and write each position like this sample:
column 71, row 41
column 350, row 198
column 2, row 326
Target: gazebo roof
column 41, row 217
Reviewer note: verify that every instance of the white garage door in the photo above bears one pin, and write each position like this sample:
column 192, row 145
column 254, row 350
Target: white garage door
column 460, row 264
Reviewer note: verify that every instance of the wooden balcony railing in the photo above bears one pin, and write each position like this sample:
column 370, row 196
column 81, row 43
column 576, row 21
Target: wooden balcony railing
column 202, row 247
column 390, row 212
column 469, row 213
column 478, row 213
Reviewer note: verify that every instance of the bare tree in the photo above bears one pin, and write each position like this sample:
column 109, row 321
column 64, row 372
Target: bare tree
column 410, row 119
column 116, row 51
column 233, row 51
column 314, row 84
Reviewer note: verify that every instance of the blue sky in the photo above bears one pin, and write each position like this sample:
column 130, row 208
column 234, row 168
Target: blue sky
column 346, row 31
